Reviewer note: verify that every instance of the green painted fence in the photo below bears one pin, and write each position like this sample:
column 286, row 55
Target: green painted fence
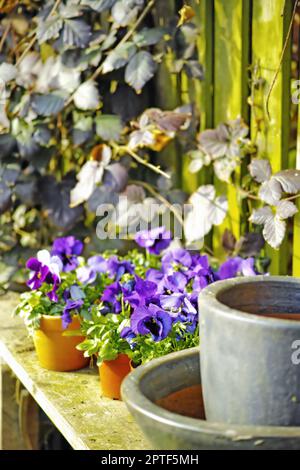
column 240, row 41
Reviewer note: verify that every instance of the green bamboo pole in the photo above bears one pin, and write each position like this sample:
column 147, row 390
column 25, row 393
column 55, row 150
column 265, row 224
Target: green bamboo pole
column 296, row 242
column 168, row 93
column 271, row 19
column 231, row 54
column 200, row 93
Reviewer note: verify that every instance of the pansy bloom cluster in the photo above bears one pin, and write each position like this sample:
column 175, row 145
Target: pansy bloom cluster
column 143, row 305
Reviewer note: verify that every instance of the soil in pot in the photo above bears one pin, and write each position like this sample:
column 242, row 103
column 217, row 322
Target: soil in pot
column 56, row 351
column 185, row 402
column 112, row 374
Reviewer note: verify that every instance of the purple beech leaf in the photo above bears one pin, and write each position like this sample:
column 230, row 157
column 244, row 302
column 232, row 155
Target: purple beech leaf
column 99, row 5
column 49, row 29
column 119, row 57
column 76, row 32
column 140, row 70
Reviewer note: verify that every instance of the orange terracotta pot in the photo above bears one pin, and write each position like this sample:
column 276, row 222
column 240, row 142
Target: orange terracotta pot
column 55, row 351
column 112, row 374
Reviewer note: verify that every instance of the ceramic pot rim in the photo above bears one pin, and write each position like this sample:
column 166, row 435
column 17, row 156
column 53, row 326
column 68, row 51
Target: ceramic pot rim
column 137, row 401
column 210, row 293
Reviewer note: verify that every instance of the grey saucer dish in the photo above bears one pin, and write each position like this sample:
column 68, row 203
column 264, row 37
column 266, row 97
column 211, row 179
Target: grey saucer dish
column 248, row 367
column 169, row 431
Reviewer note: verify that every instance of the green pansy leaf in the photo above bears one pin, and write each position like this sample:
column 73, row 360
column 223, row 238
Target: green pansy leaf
column 140, row 70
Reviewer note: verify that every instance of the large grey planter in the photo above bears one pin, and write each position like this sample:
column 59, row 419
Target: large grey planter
column 168, row 430
column 248, row 365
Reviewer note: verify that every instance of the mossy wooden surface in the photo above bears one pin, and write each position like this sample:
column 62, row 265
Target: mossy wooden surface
column 72, row 400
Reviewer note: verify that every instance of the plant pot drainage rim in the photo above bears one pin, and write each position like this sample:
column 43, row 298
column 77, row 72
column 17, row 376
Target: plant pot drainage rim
column 138, row 402
column 212, row 291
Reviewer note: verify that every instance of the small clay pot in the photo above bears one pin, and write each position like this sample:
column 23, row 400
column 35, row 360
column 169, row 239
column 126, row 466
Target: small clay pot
column 55, row 350
column 112, row 374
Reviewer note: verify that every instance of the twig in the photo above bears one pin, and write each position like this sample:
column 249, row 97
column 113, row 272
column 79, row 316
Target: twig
column 127, row 36
column 281, row 59
column 6, row 31
column 161, row 198
column 144, row 162
column 29, row 46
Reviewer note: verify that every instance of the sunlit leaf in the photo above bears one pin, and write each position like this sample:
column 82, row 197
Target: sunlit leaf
column 87, row 96
column 274, row 231
column 289, row 180
column 260, row 170
column 286, row 209
column 207, row 210
column 89, row 176
column 270, row 192
column 186, row 13
column 7, row 72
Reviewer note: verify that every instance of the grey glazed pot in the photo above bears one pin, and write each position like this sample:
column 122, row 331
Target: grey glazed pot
column 248, row 376
column 170, row 431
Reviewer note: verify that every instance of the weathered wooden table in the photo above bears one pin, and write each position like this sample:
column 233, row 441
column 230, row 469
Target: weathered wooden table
column 71, row 400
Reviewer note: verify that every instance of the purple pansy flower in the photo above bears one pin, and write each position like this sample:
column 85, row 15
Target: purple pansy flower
column 176, row 282
column 111, row 295
column 237, row 265
column 129, row 336
column 177, row 256
column 88, row 274
column 45, row 269
column 117, row 268
column 151, row 320
column 72, row 305
column 155, row 240
column 139, row 292
column 203, row 278
column 67, row 249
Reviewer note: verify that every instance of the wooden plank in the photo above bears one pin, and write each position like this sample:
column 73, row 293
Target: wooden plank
column 71, row 400
column 270, row 24
column 19, row 426
column 167, row 89
column 200, row 94
column 231, row 52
